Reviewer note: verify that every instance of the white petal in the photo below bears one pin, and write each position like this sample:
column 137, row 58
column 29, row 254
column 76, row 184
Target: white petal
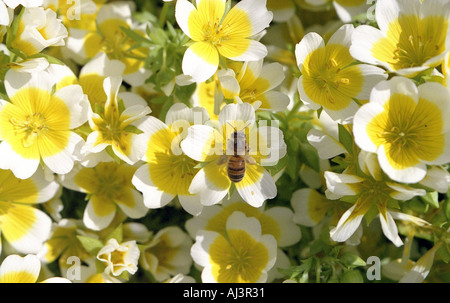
column 153, row 197
column 95, row 222
column 255, row 192
column 138, row 210
column 63, row 162
column 14, row 264
column 35, row 228
column 256, row 10
column 360, row 121
column 337, row 183
column 22, row 168
column 237, row 112
column 196, row 66
column 308, row 44
column 191, row 204
column 343, row 35
column 390, row 228
column 345, row 229
column 326, row 146
column 183, row 10
column 209, row 193
column 411, row 174
column 77, row 103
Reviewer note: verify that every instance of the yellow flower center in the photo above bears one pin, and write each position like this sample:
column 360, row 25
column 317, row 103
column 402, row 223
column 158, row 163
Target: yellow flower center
column 239, row 260
column 411, row 41
column 409, row 131
column 329, row 79
column 215, row 33
column 30, row 127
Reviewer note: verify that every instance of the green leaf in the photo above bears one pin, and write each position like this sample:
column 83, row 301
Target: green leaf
column 446, row 208
column 135, row 36
column 371, row 214
column 444, row 253
column 431, row 198
column 352, row 276
column 132, row 129
column 345, row 138
column 91, row 245
column 117, row 234
column 349, row 259
column 158, row 36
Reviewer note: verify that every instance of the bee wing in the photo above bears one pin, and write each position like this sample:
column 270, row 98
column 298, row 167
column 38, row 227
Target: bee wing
column 223, row 159
column 250, row 160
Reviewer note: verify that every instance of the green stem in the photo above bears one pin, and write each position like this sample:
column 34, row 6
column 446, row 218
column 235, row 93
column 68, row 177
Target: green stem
column 163, row 15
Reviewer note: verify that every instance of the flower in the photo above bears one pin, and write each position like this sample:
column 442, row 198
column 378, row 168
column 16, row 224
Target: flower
column 63, row 243
column 116, row 125
column 109, row 37
column 17, row 269
column 93, row 74
column 168, row 172
column 213, row 147
column 276, row 221
column 215, row 32
column 23, row 226
column 309, row 206
column 372, row 193
column 119, row 258
column 37, row 125
column 7, row 9
column 331, row 78
column 244, row 256
column 407, row 41
column 406, row 126
column 252, row 82
column 109, row 188
column 37, row 30
column 167, row 253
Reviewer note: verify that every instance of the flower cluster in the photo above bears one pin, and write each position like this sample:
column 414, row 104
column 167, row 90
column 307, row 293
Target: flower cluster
column 224, row 141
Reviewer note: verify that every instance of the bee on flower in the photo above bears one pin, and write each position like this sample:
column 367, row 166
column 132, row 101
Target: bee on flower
column 234, row 153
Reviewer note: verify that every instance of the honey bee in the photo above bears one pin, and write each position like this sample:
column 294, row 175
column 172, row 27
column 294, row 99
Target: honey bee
column 240, row 156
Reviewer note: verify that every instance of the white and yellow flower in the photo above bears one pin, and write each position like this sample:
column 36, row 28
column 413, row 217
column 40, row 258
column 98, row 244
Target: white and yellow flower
column 64, row 243
column 406, row 126
column 331, row 78
column 213, row 147
column 23, row 226
column 93, row 74
column 216, row 33
column 108, row 37
column 372, row 193
column 37, row 30
column 108, row 186
column 167, row 253
column 347, row 10
column 168, row 172
column 36, row 124
column 7, row 9
column 119, row 257
column 253, row 82
column 309, row 206
column 413, row 36
column 245, row 255
column 276, row 221
column 116, row 126
column 17, row 269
